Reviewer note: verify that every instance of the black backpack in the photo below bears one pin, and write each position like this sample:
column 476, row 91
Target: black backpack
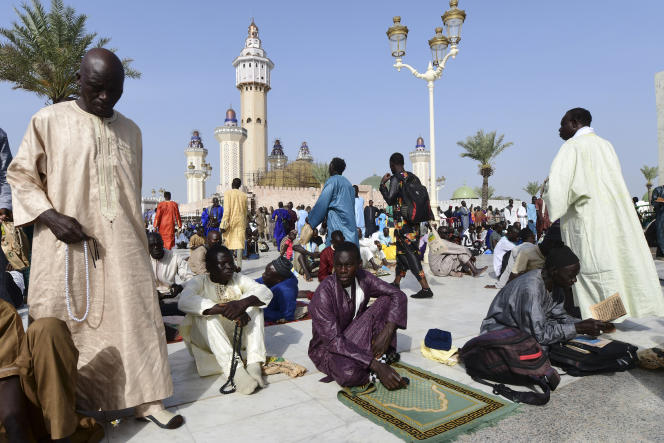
column 579, row 359
column 416, row 207
column 514, row 357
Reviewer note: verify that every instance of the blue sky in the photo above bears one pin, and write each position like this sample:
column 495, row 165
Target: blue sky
column 520, row 66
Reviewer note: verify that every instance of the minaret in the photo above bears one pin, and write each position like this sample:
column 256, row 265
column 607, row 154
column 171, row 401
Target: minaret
column 252, row 78
column 197, row 169
column 277, row 157
column 420, row 158
column 304, row 154
column 231, row 137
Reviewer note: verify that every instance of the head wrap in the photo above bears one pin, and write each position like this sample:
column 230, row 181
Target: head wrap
column 560, row 258
column 283, row 266
column 438, row 339
column 196, row 241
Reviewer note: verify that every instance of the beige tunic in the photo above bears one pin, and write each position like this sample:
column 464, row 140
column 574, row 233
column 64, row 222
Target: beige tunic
column 235, row 218
column 197, row 260
column 90, row 169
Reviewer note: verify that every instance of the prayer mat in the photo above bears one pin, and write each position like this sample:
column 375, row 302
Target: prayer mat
column 431, row 409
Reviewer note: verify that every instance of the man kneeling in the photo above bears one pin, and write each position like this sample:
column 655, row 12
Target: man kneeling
column 214, row 304
column 533, row 303
column 350, row 337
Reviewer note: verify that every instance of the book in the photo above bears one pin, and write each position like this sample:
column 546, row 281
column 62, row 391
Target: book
column 609, row 309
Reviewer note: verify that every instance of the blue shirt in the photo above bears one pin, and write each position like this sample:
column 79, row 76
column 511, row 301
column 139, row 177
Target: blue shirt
column 284, row 300
column 531, row 210
column 337, row 202
column 5, row 160
column 359, row 212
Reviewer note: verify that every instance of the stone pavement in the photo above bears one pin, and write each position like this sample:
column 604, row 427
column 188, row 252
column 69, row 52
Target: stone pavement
column 616, row 407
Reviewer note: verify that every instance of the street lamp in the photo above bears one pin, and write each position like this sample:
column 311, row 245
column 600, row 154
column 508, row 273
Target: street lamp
column 453, row 19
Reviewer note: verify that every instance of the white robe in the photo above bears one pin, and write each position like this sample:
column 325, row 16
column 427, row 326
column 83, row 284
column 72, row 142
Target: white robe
column 587, row 192
column 209, row 338
column 522, row 216
column 171, row 269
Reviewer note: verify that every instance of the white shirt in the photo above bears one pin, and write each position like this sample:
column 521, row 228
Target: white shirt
column 499, row 252
column 583, row 131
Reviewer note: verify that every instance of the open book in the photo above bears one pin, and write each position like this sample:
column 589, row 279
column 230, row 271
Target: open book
column 609, row 309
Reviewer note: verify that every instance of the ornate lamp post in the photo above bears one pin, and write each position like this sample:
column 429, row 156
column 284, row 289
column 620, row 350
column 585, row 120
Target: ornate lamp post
column 453, row 19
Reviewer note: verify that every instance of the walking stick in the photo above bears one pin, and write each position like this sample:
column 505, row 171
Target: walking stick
column 229, row 387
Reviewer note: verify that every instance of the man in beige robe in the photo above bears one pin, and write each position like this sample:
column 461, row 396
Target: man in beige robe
column 77, row 177
column 587, row 192
column 234, row 223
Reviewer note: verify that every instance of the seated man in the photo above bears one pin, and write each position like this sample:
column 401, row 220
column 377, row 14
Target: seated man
column 38, row 381
column 327, row 256
column 170, row 271
column 384, row 237
column 304, row 258
column 528, row 303
column 199, row 247
column 496, row 235
column 506, row 243
column 287, row 243
column 214, row 304
column 181, row 240
column 349, row 337
column 283, row 284
column 448, row 258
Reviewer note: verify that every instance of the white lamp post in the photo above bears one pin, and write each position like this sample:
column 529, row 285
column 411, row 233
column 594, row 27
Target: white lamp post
column 453, row 19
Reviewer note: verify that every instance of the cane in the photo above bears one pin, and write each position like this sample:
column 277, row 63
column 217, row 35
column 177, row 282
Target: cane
column 229, row 387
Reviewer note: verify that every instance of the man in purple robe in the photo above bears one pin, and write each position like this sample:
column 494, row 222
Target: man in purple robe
column 350, row 338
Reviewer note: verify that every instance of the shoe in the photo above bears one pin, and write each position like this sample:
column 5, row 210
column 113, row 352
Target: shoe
column 392, row 356
column 424, row 293
column 173, row 423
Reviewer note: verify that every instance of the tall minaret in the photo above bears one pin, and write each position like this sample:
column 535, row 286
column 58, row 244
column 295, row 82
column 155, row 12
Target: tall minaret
column 252, row 78
column 420, row 158
column 197, row 169
column 231, row 138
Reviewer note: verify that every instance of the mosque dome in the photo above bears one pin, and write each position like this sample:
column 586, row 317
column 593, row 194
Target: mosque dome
column 231, row 119
column 419, row 144
column 464, row 192
column 277, row 149
column 195, row 142
column 373, row 181
column 304, row 153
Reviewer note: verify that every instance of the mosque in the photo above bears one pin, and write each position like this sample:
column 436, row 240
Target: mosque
column 243, row 150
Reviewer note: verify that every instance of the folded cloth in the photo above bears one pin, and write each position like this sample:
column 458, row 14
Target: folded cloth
column 279, row 365
column 449, row 358
column 438, row 339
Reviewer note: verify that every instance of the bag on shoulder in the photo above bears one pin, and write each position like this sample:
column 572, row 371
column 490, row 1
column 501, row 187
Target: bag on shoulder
column 578, row 358
column 14, row 244
column 416, row 208
column 514, row 357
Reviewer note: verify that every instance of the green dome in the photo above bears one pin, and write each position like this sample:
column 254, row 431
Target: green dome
column 373, row 181
column 464, row 192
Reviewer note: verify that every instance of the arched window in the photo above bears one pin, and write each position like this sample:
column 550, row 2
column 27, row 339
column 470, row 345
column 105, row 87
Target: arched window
column 249, row 120
column 258, row 120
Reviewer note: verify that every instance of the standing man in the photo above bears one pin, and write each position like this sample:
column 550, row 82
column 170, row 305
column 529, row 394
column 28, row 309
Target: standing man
column 168, row 215
column 122, row 330
column 531, row 210
column 522, row 215
column 281, row 224
column 302, row 215
column 587, row 192
column 510, row 213
column 337, row 203
column 212, row 216
column 543, row 221
column 370, row 214
column 407, row 234
column 5, row 207
column 464, row 214
column 234, row 224
column 359, row 210
column 657, row 201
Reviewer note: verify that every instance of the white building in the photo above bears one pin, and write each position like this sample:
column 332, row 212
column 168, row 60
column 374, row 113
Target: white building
column 252, row 78
column 231, row 138
column 197, row 169
column 421, row 160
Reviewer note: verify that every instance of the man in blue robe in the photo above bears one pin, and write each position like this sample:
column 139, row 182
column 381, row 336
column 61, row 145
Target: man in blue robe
column 281, row 224
column 211, row 217
column 279, row 278
column 359, row 210
column 531, row 209
column 657, row 201
column 337, row 203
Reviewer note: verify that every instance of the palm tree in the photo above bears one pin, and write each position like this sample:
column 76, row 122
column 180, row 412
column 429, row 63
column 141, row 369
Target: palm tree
column 321, row 172
column 490, row 194
column 484, row 148
column 649, row 173
column 44, row 49
column 532, row 188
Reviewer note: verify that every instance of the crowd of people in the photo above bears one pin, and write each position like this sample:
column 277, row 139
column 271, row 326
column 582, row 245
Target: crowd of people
column 103, row 278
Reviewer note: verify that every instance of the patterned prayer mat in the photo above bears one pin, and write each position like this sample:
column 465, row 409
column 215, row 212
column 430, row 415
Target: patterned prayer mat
column 431, row 409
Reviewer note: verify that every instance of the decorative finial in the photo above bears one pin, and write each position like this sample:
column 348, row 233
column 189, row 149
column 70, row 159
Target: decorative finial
column 454, row 3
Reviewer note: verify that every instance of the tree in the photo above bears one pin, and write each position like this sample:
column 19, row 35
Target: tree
column 649, row 173
column 44, row 49
column 490, row 194
column 484, row 148
column 321, row 172
column 532, row 188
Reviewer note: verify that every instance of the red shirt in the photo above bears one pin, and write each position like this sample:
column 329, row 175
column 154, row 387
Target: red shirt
column 326, row 263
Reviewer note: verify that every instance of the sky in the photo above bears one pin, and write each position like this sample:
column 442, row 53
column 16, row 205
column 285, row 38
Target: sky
column 520, row 66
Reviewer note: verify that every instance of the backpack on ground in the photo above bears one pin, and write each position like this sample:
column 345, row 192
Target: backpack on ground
column 514, row 357
column 587, row 356
column 416, row 207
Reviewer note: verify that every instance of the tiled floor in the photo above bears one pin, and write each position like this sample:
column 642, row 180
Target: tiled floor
column 304, row 409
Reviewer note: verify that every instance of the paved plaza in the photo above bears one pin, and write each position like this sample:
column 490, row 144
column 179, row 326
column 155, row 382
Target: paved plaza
column 615, row 407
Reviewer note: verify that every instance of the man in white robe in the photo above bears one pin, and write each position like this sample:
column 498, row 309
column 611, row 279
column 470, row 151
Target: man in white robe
column 215, row 303
column 77, row 176
column 587, row 192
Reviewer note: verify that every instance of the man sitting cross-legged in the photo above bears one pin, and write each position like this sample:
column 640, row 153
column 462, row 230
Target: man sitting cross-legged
column 349, row 337
column 38, row 381
column 533, row 303
column 214, row 304
column 449, row 259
